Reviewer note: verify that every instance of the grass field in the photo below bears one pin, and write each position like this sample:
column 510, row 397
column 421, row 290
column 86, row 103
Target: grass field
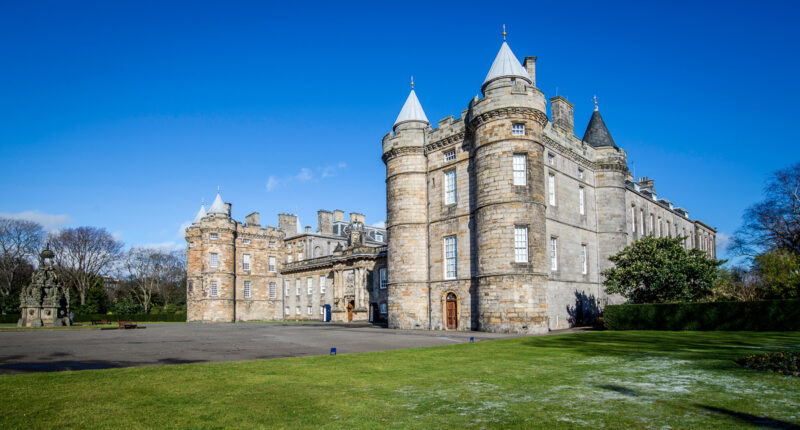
column 594, row 379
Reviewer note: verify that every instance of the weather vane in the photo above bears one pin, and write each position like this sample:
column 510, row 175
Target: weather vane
column 412, row 82
column 595, row 102
column 504, row 32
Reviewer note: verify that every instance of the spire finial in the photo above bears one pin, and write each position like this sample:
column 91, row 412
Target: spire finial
column 202, row 202
column 217, row 189
column 595, row 102
column 504, row 32
column 412, row 82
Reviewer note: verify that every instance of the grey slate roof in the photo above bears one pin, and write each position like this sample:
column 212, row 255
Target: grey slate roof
column 506, row 65
column 412, row 110
column 597, row 133
column 218, row 207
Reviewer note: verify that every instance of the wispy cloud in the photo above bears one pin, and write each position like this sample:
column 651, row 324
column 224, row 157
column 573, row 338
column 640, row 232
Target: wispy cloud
column 723, row 240
column 48, row 221
column 169, row 245
column 381, row 224
column 306, row 174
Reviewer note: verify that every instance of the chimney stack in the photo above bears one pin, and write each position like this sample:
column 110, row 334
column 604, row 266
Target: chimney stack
column 356, row 217
column 646, row 182
column 228, row 209
column 562, row 114
column 338, row 215
column 530, row 65
column 287, row 223
column 308, row 229
column 252, row 219
column 324, row 222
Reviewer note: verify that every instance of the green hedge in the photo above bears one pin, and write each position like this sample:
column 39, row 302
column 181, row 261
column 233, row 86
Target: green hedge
column 768, row 315
column 10, row 318
column 177, row 317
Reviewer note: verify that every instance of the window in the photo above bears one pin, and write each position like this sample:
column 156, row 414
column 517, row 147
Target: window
column 310, row 285
column 641, row 220
column 580, row 173
column 584, row 266
column 297, row 286
column 581, row 198
column 520, row 172
column 213, row 236
column 271, row 263
column 450, row 257
column 518, row 129
column 309, row 310
column 652, row 224
column 299, row 256
column 289, row 258
column 286, row 310
column 521, row 244
column 669, row 229
column 272, row 291
column 245, row 241
column 191, row 244
column 246, row 261
column 379, row 237
column 382, row 274
column 450, row 155
column 551, row 159
column 660, row 225
column 633, row 219
column 286, row 287
column 553, row 253
column 449, row 187
column 383, row 308
column 322, row 310
column 272, row 244
column 191, row 286
column 246, row 289
column 551, row 188
column 297, row 310
column 322, row 284
column 214, row 259
column 214, row 291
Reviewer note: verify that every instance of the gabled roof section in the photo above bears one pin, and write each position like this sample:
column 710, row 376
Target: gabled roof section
column 412, row 110
column 218, row 207
column 597, row 133
column 200, row 214
column 506, row 65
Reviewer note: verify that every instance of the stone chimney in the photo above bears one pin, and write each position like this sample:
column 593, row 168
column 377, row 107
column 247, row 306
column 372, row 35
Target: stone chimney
column 530, row 65
column 356, row 217
column 228, row 209
column 324, row 222
column 252, row 220
column 338, row 215
column 562, row 114
column 308, row 229
column 646, row 182
column 287, row 223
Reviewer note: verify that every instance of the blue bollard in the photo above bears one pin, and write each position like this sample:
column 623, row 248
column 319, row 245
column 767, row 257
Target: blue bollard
column 333, row 351
column 471, row 339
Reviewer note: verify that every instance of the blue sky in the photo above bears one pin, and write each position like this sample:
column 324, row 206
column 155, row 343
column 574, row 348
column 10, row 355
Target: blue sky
column 125, row 114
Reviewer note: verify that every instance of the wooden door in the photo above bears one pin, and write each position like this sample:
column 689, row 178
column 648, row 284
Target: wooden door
column 452, row 312
column 350, row 307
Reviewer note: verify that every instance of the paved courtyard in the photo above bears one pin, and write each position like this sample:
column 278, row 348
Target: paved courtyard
column 159, row 344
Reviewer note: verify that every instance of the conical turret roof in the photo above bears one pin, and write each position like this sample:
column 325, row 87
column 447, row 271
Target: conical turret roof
column 200, row 214
column 218, row 207
column 597, row 133
column 506, row 65
column 412, row 110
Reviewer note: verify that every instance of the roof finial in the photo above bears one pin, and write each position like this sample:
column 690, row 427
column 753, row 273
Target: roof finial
column 504, row 32
column 217, row 189
column 203, row 202
column 595, row 102
column 412, row 82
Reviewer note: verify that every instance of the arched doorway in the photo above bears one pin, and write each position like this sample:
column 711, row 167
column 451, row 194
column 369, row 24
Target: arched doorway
column 350, row 306
column 452, row 311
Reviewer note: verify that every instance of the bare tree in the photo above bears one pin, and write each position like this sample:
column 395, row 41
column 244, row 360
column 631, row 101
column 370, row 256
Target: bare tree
column 20, row 241
column 773, row 223
column 84, row 252
column 151, row 271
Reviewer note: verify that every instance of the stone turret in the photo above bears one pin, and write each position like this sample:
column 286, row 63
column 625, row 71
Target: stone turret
column 508, row 121
column 406, row 212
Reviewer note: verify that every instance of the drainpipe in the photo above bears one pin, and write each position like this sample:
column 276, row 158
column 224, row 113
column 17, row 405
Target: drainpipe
column 234, row 272
column 596, row 246
column 428, row 223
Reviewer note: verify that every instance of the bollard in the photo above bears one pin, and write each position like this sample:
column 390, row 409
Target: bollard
column 471, row 339
column 333, row 351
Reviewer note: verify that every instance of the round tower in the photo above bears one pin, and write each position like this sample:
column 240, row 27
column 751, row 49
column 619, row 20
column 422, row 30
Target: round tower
column 215, row 296
column 406, row 216
column 505, row 130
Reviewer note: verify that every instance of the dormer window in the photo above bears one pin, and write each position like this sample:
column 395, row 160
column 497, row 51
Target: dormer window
column 379, row 237
column 518, row 129
column 450, row 155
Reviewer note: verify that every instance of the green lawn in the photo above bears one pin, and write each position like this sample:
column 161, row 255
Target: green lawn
column 587, row 380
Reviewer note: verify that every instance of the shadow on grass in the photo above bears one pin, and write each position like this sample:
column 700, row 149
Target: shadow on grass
column 620, row 389
column 754, row 420
column 683, row 345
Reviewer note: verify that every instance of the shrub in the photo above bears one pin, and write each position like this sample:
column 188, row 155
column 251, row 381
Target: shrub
column 768, row 315
column 785, row 363
column 179, row 317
